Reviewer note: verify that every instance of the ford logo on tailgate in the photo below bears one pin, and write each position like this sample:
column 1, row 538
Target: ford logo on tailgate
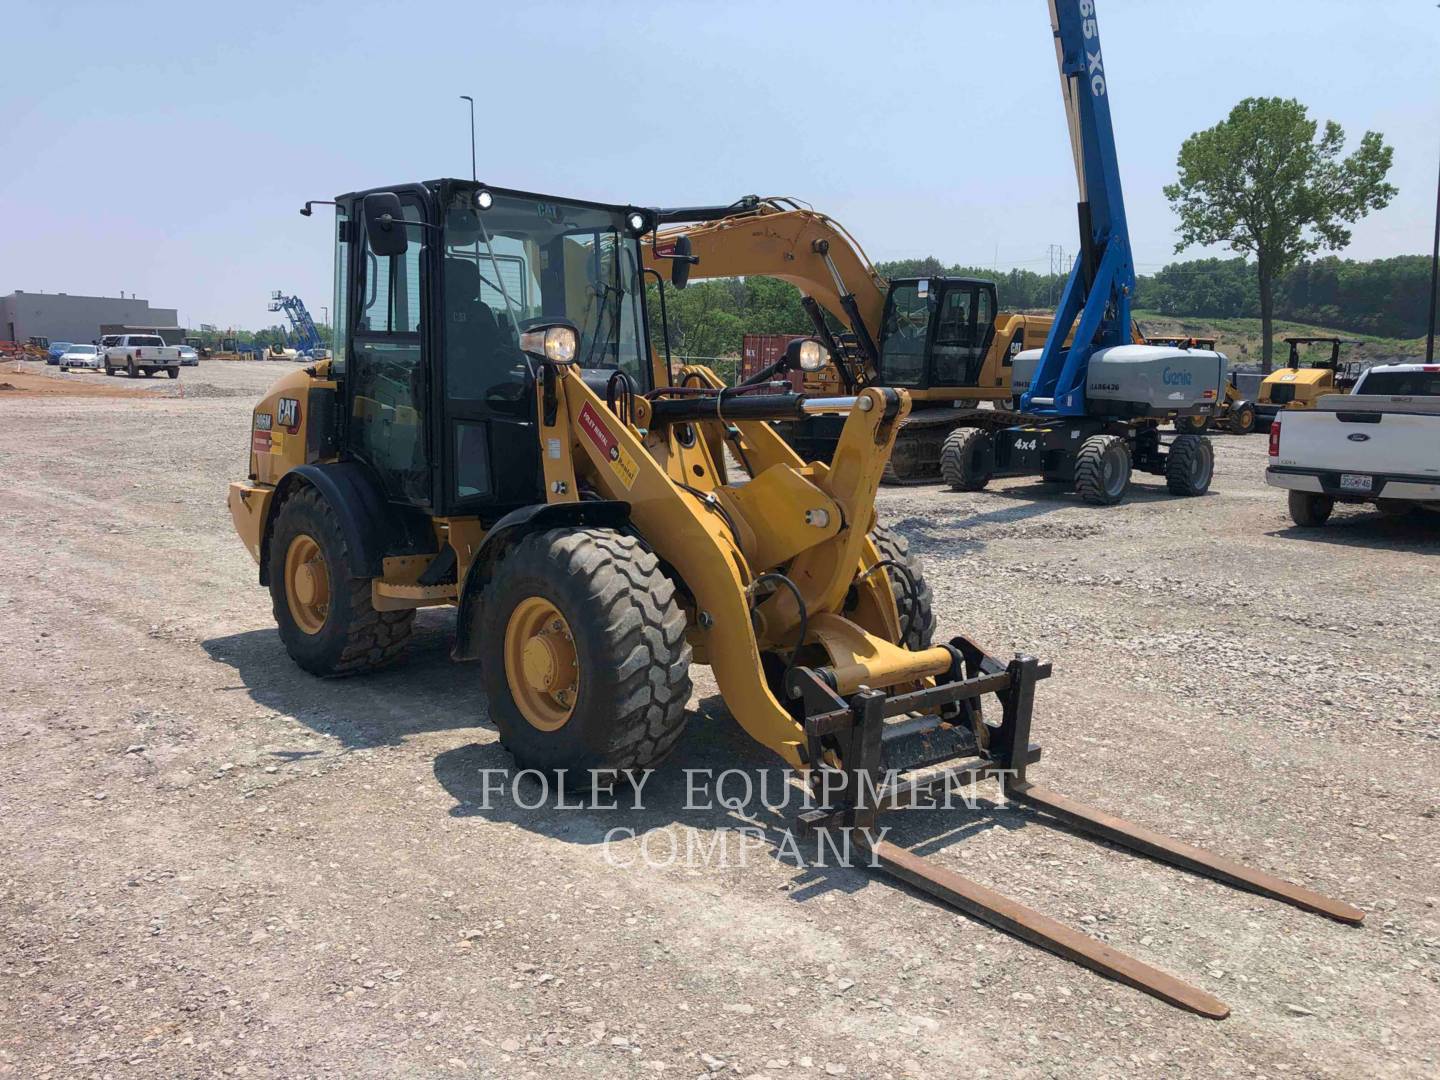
column 1359, row 436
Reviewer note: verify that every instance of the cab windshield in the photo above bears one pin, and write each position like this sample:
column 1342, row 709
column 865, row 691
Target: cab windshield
column 526, row 261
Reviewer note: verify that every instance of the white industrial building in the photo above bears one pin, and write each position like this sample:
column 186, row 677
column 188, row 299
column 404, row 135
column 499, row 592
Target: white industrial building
column 63, row 317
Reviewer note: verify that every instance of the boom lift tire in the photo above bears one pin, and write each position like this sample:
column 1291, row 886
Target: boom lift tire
column 322, row 609
column 1309, row 510
column 1243, row 420
column 583, row 653
column 1190, row 465
column 1102, row 469
column 967, row 460
column 917, row 631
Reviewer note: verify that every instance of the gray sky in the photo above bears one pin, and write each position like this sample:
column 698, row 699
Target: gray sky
column 164, row 148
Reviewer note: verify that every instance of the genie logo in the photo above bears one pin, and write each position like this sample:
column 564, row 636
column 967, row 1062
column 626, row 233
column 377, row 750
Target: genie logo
column 1171, row 377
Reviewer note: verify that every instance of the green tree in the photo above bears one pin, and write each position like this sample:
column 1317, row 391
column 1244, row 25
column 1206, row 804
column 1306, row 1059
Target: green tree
column 1261, row 182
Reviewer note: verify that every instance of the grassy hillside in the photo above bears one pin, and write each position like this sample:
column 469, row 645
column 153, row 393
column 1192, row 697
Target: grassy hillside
column 1240, row 338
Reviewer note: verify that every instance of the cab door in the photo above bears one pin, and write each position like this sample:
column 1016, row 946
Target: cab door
column 388, row 351
column 964, row 326
column 490, row 456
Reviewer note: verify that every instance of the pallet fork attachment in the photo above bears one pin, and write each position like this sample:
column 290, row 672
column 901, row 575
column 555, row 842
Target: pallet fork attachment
column 874, row 751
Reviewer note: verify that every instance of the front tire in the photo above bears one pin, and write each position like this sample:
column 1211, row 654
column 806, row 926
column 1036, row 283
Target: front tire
column 1102, row 469
column 322, row 607
column 1309, row 510
column 583, row 653
column 967, row 460
column 917, row 616
column 1190, row 465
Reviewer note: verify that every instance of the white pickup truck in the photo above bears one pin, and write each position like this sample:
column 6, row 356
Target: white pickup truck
column 134, row 353
column 1378, row 444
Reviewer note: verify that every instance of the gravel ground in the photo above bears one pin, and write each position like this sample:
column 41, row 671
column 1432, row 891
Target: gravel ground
column 218, row 865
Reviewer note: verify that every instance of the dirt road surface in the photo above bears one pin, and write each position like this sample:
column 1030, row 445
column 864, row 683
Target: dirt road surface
column 217, row 865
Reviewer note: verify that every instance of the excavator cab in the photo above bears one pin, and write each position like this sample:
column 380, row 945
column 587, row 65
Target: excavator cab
column 936, row 332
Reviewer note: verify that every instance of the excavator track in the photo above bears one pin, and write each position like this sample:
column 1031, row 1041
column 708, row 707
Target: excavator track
column 916, row 457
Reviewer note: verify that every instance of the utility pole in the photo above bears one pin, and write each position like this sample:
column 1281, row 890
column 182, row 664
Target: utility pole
column 1434, row 283
column 471, row 100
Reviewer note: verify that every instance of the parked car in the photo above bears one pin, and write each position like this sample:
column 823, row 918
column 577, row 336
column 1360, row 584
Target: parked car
column 188, row 356
column 1378, row 444
column 136, row 353
column 80, row 356
column 56, row 348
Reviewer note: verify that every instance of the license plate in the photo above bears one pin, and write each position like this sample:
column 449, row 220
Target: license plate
column 1356, row 482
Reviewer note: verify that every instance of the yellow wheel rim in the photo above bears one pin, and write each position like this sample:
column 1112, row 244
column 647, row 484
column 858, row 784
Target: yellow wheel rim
column 541, row 667
column 307, row 584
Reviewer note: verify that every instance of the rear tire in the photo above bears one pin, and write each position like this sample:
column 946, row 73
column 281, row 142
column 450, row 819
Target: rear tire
column 130, row 369
column 173, row 372
column 1102, row 469
column 109, row 370
column 1243, row 420
column 916, row 632
column 1395, row 508
column 621, row 645
column 967, row 460
column 1191, row 425
column 1190, row 465
column 337, row 631
column 1309, row 510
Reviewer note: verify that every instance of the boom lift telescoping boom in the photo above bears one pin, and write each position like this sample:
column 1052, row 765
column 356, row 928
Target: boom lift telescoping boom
column 307, row 334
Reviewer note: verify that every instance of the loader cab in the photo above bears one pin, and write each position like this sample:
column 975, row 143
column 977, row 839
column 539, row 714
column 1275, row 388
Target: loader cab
column 936, row 332
column 435, row 283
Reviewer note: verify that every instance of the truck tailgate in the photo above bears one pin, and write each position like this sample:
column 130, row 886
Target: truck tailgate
column 1362, row 440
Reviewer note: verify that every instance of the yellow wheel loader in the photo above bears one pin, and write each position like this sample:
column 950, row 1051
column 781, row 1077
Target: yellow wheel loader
column 493, row 433
column 1312, row 370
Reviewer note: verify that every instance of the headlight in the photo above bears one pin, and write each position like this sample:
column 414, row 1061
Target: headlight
column 557, row 344
column 813, row 356
column 484, row 200
column 637, row 222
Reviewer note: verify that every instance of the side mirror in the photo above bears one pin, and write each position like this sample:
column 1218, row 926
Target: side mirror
column 385, row 224
column 680, row 262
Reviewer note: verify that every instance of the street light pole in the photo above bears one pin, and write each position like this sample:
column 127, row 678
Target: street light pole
column 1434, row 283
column 471, row 100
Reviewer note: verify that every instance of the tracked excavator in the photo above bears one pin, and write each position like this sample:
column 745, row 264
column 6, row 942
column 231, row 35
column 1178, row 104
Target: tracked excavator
column 494, row 434
column 940, row 338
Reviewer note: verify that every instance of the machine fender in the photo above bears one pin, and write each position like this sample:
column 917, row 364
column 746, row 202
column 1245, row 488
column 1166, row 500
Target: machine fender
column 505, row 533
column 373, row 526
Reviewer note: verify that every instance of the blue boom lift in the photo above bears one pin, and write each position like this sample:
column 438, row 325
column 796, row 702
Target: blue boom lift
column 307, row 335
column 1094, row 408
